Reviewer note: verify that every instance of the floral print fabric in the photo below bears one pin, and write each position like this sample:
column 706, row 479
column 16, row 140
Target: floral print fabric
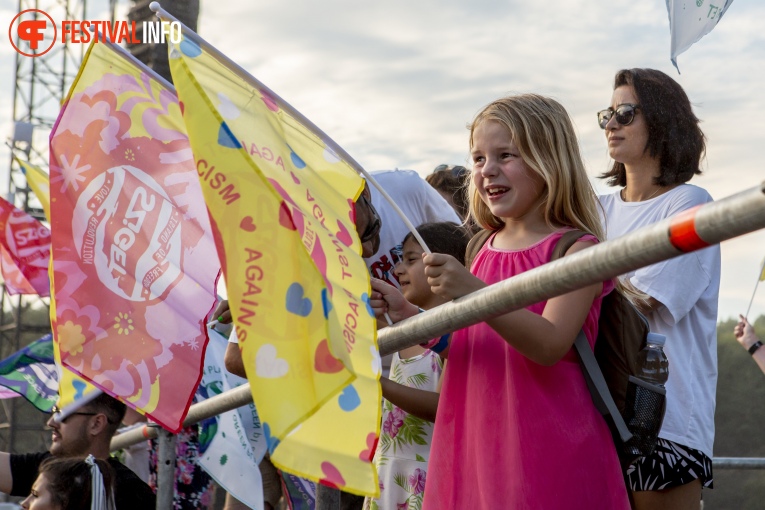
column 193, row 486
column 404, row 448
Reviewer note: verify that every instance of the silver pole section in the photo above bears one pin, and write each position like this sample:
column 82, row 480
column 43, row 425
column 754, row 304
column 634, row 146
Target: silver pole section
column 714, row 222
column 327, row 498
column 166, row 470
column 213, row 406
column 738, row 463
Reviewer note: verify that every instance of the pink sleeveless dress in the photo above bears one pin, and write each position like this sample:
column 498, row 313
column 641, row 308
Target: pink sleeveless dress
column 511, row 433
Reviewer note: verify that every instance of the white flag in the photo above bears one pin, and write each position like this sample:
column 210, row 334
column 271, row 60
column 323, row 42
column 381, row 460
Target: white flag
column 690, row 20
column 232, row 444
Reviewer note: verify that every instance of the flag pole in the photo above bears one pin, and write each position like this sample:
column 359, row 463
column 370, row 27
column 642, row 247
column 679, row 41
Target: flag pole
column 759, row 278
column 284, row 105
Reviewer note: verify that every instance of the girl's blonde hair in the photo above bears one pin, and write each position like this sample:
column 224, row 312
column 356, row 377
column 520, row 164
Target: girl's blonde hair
column 542, row 130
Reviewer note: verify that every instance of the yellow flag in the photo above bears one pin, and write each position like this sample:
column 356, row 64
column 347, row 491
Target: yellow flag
column 37, row 179
column 762, row 273
column 282, row 206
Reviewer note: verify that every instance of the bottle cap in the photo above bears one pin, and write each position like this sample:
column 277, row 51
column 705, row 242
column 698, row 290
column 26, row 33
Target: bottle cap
column 656, row 339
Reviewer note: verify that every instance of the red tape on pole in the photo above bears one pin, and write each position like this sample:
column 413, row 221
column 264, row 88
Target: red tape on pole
column 682, row 231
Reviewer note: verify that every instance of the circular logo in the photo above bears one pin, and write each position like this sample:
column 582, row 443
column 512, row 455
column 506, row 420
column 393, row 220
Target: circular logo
column 33, row 30
column 126, row 228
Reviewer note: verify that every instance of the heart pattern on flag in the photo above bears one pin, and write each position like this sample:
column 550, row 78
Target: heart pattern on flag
column 296, row 160
column 323, row 360
column 247, row 224
column 330, row 156
column 326, row 304
column 349, row 399
column 343, row 235
column 226, row 138
column 190, row 48
column 268, row 101
column 227, row 108
column 296, row 303
column 285, row 218
column 332, row 477
column 271, row 442
column 268, row 365
column 365, row 299
column 366, row 455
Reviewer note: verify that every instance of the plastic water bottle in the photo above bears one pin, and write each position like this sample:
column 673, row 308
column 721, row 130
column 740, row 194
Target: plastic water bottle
column 645, row 406
column 654, row 363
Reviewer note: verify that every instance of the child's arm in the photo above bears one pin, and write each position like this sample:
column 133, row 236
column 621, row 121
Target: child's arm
column 420, row 403
column 544, row 338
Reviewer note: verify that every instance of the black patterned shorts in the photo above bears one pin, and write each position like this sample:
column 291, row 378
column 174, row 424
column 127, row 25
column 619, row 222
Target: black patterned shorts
column 670, row 465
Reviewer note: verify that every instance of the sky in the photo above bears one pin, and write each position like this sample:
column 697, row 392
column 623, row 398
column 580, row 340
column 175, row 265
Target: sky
column 395, row 83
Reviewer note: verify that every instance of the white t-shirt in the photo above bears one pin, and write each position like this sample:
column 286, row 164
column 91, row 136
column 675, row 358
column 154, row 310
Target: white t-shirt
column 688, row 287
column 418, row 200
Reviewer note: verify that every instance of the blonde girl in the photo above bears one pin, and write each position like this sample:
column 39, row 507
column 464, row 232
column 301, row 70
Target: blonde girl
column 516, row 426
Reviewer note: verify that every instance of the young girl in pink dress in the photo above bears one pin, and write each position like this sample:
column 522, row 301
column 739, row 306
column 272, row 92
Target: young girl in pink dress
column 516, row 426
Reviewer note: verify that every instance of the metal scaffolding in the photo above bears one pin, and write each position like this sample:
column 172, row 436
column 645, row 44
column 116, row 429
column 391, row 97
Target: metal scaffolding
column 41, row 83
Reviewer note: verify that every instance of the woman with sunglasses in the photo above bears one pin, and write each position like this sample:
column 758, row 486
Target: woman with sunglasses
column 656, row 145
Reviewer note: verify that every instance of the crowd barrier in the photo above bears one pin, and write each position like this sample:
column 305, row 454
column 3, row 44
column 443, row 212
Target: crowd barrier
column 691, row 230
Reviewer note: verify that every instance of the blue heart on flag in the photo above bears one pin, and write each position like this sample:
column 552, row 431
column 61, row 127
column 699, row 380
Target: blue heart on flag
column 326, row 303
column 272, row 442
column 296, row 303
column 299, row 163
column 349, row 399
column 365, row 299
column 190, row 48
column 79, row 388
column 226, row 138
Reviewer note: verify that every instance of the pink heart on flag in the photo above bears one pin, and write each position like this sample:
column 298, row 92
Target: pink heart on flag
column 343, row 235
column 332, row 477
column 323, row 360
column 285, row 218
column 269, row 101
column 366, row 455
column 247, row 224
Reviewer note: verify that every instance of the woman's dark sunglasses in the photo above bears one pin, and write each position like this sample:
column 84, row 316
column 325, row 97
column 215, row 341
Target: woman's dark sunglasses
column 624, row 114
column 457, row 172
column 373, row 227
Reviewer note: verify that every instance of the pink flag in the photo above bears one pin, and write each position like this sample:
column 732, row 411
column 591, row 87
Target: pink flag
column 134, row 263
column 24, row 251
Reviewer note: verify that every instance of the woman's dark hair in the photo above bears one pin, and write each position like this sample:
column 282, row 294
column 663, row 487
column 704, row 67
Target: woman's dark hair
column 444, row 237
column 453, row 182
column 69, row 481
column 674, row 135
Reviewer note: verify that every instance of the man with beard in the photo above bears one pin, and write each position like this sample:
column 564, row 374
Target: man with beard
column 88, row 430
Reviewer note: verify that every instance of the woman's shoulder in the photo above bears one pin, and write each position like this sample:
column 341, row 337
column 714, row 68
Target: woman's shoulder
column 684, row 197
column 691, row 192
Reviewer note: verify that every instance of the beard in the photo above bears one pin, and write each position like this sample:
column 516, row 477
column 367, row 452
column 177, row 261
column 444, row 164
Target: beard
column 73, row 443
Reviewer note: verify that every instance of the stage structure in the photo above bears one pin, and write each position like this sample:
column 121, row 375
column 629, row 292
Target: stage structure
column 41, row 83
